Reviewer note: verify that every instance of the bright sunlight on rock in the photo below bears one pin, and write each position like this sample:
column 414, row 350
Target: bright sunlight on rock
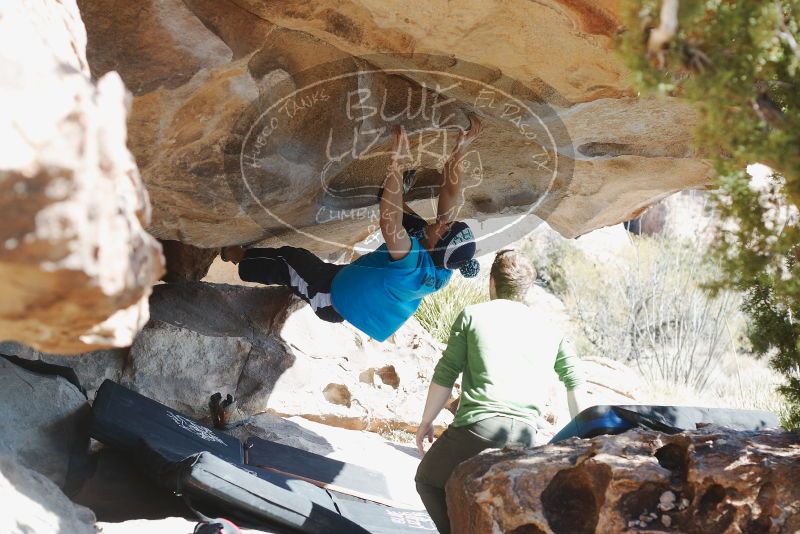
column 390, row 267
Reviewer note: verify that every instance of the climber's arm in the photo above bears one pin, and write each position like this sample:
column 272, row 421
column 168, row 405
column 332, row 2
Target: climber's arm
column 450, row 194
column 391, row 204
column 451, row 364
column 438, row 396
column 577, row 401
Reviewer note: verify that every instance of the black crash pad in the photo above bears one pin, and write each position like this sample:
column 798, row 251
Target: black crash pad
column 257, row 497
column 207, row 467
column 378, row 519
column 122, row 418
column 219, row 488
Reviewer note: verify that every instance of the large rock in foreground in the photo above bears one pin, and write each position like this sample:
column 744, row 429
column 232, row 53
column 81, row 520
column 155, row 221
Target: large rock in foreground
column 264, row 120
column 713, row 480
column 76, row 265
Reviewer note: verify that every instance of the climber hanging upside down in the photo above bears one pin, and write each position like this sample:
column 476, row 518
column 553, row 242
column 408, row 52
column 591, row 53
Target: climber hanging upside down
column 379, row 291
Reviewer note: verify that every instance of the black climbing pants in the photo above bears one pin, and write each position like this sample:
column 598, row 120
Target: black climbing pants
column 456, row 445
column 308, row 277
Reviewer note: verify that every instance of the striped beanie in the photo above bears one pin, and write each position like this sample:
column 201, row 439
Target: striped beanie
column 455, row 248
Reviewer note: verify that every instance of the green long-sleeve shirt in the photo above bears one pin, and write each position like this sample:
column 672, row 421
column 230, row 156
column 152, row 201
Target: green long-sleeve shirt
column 509, row 356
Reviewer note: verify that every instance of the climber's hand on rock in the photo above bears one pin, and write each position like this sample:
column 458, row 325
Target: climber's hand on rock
column 399, row 139
column 466, row 137
column 424, row 430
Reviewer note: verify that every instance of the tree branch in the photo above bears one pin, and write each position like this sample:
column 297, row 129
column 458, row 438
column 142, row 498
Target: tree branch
column 667, row 28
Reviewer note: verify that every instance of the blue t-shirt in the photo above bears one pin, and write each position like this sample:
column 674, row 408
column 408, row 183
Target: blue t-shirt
column 377, row 294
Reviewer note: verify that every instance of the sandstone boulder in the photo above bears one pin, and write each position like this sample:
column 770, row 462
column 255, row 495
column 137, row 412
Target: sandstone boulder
column 712, row 480
column 273, row 354
column 32, row 503
column 43, row 422
column 343, row 378
column 566, row 140
column 207, row 338
column 76, row 264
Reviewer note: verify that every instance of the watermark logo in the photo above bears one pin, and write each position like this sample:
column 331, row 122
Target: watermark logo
column 198, row 430
column 311, row 154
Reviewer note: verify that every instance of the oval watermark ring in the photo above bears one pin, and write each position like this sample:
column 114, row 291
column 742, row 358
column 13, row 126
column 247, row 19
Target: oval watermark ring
column 295, row 142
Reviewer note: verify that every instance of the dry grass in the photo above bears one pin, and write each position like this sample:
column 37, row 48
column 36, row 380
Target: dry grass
column 647, row 307
column 438, row 311
column 395, row 435
column 751, row 387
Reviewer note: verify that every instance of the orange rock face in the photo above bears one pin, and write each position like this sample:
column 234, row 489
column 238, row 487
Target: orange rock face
column 712, row 480
column 269, row 122
column 566, row 139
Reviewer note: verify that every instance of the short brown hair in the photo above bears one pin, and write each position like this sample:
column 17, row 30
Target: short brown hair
column 513, row 275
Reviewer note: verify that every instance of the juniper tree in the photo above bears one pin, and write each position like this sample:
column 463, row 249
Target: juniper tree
column 739, row 62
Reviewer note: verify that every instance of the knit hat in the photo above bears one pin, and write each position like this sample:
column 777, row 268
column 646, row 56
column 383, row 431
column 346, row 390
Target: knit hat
column 455, row 248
